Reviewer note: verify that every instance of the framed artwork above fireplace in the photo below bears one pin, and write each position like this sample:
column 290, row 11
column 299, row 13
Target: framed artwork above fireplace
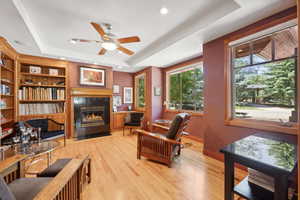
column 92, row 76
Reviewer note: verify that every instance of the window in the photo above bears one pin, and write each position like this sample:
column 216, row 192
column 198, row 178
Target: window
column 264, row 77
column 185, row 89
column 140, row 91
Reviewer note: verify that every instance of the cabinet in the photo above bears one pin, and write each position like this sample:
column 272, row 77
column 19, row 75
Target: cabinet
column 119, row 119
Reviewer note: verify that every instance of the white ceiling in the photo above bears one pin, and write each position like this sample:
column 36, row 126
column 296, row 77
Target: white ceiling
column 44, row 28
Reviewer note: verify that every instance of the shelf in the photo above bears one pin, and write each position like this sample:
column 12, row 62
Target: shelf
column 8, row 108
column 251, row 191
column 41, row 115
column 6, row 121
column 40, row 101
column 6, row 95
column 7, row 82
column 6, row 68
column 43, row 75
column 37, row 85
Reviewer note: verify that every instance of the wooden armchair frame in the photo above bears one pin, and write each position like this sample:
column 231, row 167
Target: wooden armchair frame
column 67, row 185
column 158, row 147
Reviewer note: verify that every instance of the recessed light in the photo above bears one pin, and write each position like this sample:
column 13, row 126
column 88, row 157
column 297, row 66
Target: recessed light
column 62, row 58
column 120, row 67
column 95, row 63
column 164, row 10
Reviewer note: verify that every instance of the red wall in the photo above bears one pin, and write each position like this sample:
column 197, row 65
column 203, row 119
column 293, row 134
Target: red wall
column 157, row 101
column 123, row 79
column 211, row 126
column 216, row 133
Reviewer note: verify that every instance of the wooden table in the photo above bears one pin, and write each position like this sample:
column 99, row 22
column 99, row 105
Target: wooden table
column 261, row 154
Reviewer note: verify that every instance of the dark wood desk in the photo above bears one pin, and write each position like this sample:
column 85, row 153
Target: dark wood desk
column 264, row 155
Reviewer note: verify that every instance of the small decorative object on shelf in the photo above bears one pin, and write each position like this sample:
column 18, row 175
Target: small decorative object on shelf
column 35, row 70
column 4, row 89
column 53, row 72
column 3, row 104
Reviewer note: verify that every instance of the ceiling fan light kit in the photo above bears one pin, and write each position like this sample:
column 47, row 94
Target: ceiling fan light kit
column 110, row 46
column 109, row 41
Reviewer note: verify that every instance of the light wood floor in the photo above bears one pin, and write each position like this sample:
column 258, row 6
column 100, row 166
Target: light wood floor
column 118, row 175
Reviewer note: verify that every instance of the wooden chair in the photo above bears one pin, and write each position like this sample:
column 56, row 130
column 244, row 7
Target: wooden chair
column 133, row 120
column 66, row 185
column 163, row 148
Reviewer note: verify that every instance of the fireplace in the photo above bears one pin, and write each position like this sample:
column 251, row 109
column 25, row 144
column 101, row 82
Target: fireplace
column 91, row 116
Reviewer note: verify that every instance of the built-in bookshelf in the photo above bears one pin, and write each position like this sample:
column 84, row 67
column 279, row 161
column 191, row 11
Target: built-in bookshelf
column 7, row 93
column 42, row 89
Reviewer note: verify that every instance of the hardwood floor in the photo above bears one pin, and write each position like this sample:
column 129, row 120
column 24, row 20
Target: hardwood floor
column 118, row 175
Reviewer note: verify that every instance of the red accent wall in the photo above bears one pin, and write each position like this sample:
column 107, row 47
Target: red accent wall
column 211, row 126
column 123, row 79
column 157, row 101
column 216, row 133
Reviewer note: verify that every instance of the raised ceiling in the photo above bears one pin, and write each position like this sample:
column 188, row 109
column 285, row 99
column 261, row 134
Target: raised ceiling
column 45, row 27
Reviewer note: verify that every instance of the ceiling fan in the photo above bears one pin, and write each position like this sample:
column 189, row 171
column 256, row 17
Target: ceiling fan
column 109, row 41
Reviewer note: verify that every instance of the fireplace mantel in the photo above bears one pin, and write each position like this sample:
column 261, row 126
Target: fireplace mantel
column 91, row 92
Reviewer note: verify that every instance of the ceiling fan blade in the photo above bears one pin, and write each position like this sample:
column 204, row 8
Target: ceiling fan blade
column 102, row 51
column 129, row 39
column 126, row 51
column 98, row 28
column 84, row 40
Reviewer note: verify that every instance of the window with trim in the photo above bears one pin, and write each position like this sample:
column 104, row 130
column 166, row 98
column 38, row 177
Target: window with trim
column 264, row 77
column 140, row 91
column 185, row 88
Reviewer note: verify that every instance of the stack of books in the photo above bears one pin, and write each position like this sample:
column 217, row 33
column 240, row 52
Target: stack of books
column 41, row 108
column 30, row 93
column 264, row 181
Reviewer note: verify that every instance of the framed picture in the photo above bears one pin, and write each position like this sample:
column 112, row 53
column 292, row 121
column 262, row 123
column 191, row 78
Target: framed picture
column 53, row 72
column 92, row 76
column 117, row 100
column 35, row 70
column 128, row 95
column 157, row 91
column 116, row 89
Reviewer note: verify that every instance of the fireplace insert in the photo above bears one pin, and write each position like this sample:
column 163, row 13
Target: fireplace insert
column 91, row 116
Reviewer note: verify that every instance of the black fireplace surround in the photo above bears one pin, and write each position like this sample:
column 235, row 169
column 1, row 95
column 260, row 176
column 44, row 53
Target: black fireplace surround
column 91, row 116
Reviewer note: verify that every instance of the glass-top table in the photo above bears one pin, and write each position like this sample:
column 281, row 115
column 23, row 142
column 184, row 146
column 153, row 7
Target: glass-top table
column 275, row 153
column 34, row 150
column 273, row 156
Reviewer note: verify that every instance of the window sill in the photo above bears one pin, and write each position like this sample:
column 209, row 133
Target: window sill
column 263, row 125
column 185, row 111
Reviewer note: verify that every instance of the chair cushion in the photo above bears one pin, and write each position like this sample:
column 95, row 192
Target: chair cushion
column 50, row 134
column 136, row 117
column 55, row 168
column 174, row 126
column 132, row 124
column 28, row 188
column 5, row 191
column 39, row 123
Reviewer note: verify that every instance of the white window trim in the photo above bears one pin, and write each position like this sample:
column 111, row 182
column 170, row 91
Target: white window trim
column 177, row 71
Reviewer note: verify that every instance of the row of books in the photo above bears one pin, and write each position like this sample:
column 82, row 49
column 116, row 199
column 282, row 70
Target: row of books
column 41, row 108
column 264, row 181
column 30, row 93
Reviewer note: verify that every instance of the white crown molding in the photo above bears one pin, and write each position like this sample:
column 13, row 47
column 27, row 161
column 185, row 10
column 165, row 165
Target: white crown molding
column 22, row 11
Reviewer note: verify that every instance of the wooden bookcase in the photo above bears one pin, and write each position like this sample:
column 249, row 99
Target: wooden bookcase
column 40, row 93
column 7, row 87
